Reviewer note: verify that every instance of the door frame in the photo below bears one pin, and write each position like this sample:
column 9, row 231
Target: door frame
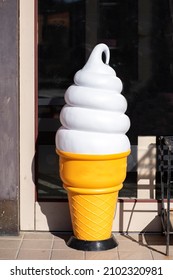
column 132, row 214
column 27, row 114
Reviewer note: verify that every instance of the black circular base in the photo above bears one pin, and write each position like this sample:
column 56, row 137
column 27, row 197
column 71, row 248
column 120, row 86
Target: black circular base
column 86, row 245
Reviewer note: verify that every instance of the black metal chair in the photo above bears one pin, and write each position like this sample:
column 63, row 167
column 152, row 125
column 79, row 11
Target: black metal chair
column 166, row 168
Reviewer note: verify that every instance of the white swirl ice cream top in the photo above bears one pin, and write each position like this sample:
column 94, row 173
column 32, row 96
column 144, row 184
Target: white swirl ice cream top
column 93, row 121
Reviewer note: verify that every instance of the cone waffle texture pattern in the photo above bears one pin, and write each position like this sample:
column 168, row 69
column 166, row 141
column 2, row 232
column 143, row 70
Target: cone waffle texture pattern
column 92, row 215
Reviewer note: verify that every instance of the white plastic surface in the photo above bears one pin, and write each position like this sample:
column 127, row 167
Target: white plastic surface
column 93, row 121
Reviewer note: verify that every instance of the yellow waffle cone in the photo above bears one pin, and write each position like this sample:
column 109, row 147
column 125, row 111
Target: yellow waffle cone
column 92, row 215
column 92, row 183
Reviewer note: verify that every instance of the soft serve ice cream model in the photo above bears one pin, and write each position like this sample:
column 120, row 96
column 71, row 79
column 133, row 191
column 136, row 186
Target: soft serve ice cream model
column 93, row 149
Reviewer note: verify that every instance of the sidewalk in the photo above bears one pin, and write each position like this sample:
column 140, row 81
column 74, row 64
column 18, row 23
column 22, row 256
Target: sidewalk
column 52, row 246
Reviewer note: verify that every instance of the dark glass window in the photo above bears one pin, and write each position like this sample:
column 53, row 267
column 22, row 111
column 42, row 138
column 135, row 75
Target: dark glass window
column 140, row 37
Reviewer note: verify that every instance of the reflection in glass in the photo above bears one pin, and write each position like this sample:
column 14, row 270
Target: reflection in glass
column 61, row 35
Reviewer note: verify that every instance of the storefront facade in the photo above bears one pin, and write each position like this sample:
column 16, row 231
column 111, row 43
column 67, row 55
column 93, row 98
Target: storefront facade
column 44, row 44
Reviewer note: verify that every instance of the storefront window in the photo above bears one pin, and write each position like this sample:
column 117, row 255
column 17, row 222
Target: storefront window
column 139, row 35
